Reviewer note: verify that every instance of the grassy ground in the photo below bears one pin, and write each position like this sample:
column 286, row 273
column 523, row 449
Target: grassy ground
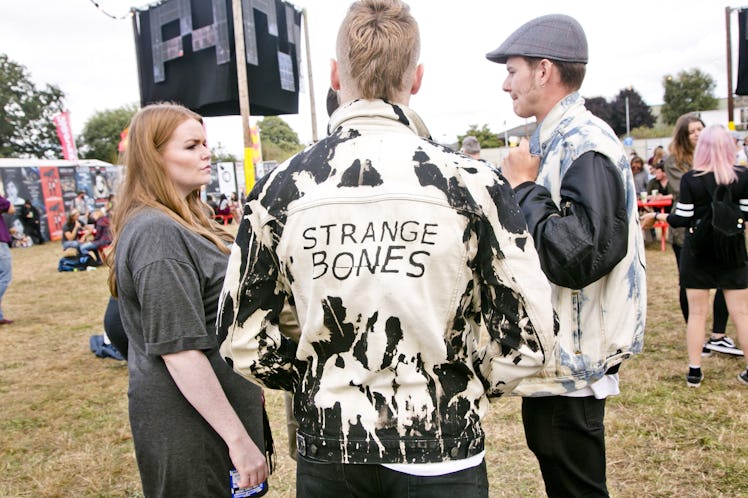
column 64, row 428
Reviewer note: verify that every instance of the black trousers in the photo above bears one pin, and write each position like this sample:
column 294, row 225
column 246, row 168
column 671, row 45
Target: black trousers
column 33, row 231
column 316, row 479
column 567, row 436
column 113, row 327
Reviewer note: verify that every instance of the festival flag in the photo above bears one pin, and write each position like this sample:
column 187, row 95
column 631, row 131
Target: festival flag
column 122, row 145
column 65, row 134
column 254, row 132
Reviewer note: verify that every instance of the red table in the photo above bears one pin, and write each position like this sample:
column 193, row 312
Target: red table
column 660, row 204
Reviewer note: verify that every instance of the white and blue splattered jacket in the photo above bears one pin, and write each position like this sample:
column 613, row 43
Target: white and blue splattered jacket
column 582, row 212
column 389, row 250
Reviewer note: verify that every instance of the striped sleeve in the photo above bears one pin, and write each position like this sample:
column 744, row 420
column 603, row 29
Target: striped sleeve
column 683, row 214
column 684, row 210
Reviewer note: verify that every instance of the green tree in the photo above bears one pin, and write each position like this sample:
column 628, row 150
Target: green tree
column 219, row 154
column 654, row 132
column 277, row 139
column 486, row 138
column 688, row 92
column 600, row 108
column 640, row 115
column 27, row 128
column 102, row 133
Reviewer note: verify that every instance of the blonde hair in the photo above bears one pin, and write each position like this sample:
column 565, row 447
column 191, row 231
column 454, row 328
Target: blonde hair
column 659, row 155
column 72, row 214
column 147, row 184
column 378, row 47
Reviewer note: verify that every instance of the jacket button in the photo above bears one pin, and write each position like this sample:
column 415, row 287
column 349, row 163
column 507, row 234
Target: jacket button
column 454, row 452
column 313, row 449
column 300, row 444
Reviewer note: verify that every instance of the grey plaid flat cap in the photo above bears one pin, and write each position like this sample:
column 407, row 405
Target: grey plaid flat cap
column 555, row 37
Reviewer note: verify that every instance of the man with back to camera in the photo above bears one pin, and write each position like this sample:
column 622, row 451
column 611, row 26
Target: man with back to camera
column 390, row 250
column 574, row 185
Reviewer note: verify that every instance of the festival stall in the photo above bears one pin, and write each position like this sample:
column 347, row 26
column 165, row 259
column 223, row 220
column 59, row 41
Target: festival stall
column 51, row 186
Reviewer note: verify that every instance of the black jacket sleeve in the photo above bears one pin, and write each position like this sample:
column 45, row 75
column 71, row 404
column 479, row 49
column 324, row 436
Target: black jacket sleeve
column 674, row 219
column 581, row 242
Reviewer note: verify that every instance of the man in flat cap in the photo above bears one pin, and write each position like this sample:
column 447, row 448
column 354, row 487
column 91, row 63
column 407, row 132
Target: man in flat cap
column 576, row 190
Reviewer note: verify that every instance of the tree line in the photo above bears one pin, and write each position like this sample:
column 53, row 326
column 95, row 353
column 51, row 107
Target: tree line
column 688, row 91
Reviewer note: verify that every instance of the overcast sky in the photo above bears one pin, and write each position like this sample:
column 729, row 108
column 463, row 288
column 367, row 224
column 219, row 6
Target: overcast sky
column 91, row 57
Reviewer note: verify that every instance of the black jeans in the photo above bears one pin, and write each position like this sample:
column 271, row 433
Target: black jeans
column 316, row 479
column 567, row 436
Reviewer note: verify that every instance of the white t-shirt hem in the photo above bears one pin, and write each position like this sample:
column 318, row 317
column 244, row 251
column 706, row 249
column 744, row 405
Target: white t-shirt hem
column 607, row 386
column 438, row 468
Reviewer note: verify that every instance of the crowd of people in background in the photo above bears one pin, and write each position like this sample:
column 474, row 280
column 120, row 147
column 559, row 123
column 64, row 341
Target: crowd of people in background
column 669, row 168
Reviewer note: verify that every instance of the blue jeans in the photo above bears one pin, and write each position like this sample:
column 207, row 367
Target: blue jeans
column 70, row 243
column 93, row 247
column 6, row 272
column 315, row 479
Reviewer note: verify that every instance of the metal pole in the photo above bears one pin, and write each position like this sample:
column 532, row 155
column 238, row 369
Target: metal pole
column 730, row 102
column 312, row 107
column 241, row 76
column 627, row 116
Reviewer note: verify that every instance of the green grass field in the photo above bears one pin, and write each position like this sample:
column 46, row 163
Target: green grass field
column 64, row 430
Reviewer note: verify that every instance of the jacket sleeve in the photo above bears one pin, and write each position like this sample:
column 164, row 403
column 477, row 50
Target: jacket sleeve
column 253, row 309
column 584, row 239
column 683, row 214
column 515, row 297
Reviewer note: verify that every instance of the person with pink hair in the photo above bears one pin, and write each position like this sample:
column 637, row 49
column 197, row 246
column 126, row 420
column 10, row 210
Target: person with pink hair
column 713, row 166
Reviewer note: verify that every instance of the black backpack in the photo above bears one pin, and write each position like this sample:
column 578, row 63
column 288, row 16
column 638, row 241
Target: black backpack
column 720, row 235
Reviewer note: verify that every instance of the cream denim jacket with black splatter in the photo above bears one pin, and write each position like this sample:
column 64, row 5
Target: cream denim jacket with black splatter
column 361, row 273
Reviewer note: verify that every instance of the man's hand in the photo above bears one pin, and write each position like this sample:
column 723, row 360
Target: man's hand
column 647, row 220
column 519, row 166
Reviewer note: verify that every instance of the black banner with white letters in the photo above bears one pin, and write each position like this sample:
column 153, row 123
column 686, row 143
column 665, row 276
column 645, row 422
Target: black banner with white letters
column 186, row 54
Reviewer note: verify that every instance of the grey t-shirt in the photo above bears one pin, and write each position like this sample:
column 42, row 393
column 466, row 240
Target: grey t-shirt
column 169, row 281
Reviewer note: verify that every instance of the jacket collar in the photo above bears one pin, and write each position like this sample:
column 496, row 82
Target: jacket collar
column 395, row 114
column 564, row 111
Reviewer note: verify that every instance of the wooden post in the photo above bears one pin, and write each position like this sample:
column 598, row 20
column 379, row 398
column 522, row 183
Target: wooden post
column 312, row 108
column 241, row 76
column 730, row 102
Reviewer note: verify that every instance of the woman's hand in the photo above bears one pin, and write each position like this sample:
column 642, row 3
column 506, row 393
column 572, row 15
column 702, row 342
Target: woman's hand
column 249, row 462
column 198, row 383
